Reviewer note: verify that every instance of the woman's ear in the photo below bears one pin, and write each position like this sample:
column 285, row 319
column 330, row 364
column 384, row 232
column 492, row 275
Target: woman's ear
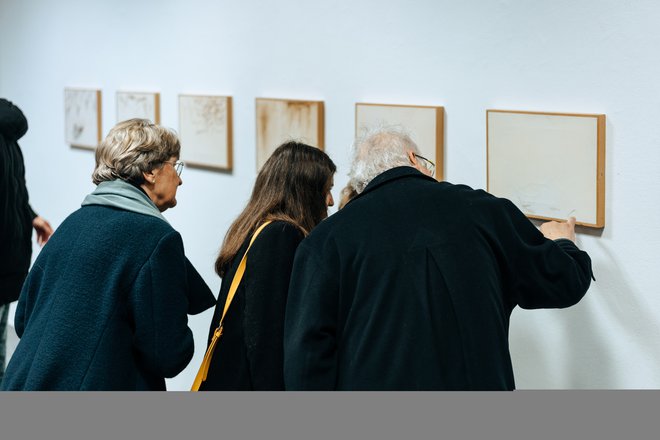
column 149, row 177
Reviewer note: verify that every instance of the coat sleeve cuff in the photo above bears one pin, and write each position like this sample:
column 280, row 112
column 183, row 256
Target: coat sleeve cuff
column 200, row 297
column 570, row 248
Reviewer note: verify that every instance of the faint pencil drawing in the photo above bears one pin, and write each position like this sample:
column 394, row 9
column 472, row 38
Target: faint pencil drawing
column 138, row 105
column 206, row 131
column 548, row 164
column 82, row 117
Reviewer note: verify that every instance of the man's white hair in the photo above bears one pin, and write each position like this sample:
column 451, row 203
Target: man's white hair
column 377, row 151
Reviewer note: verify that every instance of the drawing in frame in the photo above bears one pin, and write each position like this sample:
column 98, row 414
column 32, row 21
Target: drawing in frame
column 281, row 120
column 82, row 117
column 144, row 105
column 424, row 124
column 205, row 130
column 550, row 165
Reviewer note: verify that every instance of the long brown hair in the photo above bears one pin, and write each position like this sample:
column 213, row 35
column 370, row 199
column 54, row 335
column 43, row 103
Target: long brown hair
column 291, row 186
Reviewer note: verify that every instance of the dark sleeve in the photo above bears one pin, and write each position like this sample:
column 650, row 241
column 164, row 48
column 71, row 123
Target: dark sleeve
column 310, row 328
column 16, row 215
column 266, row 279
column 6, row 188
column 200, row 297
column 27, row 298
column 539, row 273
column 159, row 305
column 21, row 315
column 19, row 319
column 12, row 126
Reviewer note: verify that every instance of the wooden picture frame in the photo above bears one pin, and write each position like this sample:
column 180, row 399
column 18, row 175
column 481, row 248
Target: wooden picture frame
column 82, row 117
column 205, row 131
column 281, row 120
column 424, row 124
column 144, row 105
column 550, row 165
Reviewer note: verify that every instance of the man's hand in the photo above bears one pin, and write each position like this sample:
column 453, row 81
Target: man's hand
column 555, row 230
column 43, row 230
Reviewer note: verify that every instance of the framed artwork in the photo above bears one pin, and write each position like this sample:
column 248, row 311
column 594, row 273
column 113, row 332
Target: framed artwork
column 550, row 165
column 82, row 117
column 424, row 124
column 280, row 120
column 205, row 130
column 138, row 105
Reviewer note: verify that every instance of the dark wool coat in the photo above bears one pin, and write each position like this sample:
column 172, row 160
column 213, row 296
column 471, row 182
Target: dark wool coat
column 104, row 306
column 15, row 213
column 411, row 286
column 249, row 355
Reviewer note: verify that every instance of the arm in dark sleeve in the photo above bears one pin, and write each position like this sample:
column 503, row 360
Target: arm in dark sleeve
column 310, row 328
column 267, row 277
column 27, row 299
column 6, row 189
column 20, row 317
column 540, row 273
column 13, row 191
column 159, row 306
column 200, row 297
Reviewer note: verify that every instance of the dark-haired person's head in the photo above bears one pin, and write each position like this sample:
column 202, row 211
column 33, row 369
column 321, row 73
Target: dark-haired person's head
column 296, row 181
column 293, row 185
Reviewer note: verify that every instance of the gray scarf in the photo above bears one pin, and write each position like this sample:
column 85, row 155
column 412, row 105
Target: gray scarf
column 122, row 195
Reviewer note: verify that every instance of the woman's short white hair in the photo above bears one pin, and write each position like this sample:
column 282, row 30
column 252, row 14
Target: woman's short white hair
column 133, row 147
column 377, row 151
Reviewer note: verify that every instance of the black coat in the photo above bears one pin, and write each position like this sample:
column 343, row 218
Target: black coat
column 15, row 212
column 104, row 306
column 411, row 286
column 249, row 355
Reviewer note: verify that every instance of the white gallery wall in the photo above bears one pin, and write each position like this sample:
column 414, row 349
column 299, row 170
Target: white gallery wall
column 578, row 56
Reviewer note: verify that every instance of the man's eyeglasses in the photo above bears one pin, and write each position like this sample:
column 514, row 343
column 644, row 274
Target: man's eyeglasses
column 178, row 166
column 428, row 164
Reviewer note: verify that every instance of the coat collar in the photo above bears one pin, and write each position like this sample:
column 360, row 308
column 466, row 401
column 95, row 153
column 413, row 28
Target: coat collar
column 123, row 195
column 394, row 174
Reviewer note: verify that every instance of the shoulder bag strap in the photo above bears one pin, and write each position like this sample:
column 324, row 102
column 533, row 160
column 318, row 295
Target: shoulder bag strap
column 204, row 368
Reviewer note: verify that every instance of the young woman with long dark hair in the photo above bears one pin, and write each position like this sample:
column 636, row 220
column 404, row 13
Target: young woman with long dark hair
column 292, row 191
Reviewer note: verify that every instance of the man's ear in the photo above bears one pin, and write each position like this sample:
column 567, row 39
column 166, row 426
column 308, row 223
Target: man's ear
column 411, row 157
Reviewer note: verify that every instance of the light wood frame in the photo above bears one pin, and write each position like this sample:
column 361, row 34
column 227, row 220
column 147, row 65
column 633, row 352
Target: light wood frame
column 203, row 127
column 82, row 117
column 430, row 140
column 568, row 148
column 274, row 129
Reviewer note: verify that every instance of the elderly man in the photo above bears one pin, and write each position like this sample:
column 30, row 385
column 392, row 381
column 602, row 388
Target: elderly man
column 412, row 284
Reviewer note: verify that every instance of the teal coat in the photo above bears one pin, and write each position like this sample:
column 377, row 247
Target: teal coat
column 105, row 306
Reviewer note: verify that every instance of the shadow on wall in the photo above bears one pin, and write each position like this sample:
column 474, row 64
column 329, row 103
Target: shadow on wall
column 589, row 358
column 580, row 347
column 622, row 315
column 561, row 349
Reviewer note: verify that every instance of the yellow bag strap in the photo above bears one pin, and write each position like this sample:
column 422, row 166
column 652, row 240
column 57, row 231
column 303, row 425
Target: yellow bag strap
column 204, row 368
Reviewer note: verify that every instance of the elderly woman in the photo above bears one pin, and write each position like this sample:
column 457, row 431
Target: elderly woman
column 105, row 305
